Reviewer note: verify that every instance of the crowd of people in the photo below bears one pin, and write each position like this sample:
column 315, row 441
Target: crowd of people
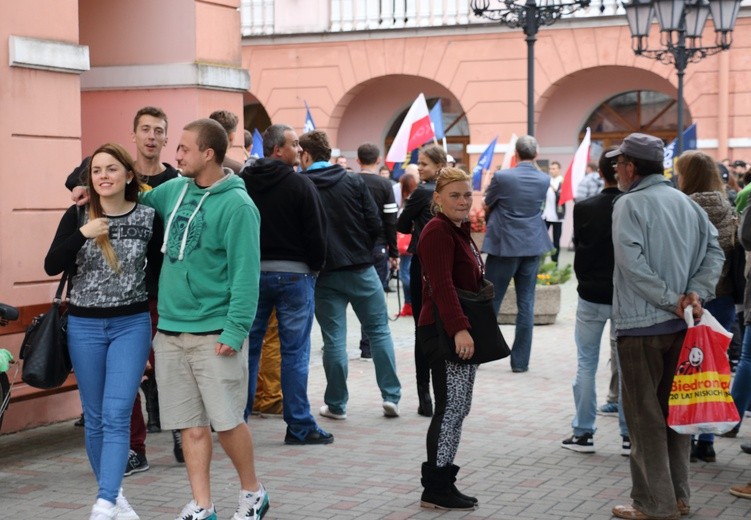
column 222, row 266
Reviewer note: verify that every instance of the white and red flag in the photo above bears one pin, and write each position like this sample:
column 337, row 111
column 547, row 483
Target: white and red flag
column 576, row 170
column 509, row 159
column 414, row 132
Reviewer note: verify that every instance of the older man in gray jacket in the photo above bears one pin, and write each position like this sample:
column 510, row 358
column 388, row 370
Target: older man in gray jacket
column 667, row 258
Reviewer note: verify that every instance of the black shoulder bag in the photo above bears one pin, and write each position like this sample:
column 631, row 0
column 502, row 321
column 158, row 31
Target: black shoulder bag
column 478, row 308
column 44, row 351
column 46, row 361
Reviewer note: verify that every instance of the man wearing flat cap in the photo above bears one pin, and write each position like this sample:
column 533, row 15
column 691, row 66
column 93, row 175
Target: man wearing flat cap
column 667, row 258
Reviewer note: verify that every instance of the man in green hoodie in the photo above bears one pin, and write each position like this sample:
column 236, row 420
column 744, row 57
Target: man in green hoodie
column 208, row 297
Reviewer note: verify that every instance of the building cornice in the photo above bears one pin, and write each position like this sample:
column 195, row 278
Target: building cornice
column 51, row 55
column 167, row 75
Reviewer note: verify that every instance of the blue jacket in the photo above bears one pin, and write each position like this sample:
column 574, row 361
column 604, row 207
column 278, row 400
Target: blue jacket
column 514, row 199
column 664, row 246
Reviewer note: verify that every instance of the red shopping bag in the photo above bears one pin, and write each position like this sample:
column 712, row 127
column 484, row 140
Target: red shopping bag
column 402, row 242
column 700, row 400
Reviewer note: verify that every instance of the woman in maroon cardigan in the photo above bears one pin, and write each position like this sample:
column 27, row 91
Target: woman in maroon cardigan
column 450, row 260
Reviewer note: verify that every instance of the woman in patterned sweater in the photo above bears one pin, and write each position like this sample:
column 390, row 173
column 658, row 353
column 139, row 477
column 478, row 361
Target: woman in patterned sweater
column 109, row 328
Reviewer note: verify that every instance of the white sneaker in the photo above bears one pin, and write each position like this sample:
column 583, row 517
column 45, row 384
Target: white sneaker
column 193, row 511
column 124, row 509
column 331, row 415
column 390, row 409
column 252, row 506
column 103, row 510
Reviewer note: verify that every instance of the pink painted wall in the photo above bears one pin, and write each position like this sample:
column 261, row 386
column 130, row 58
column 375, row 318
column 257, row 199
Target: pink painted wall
column 173, row 32
column 39, row 136
column 217, row 27
column 48, row 123
column 138, row 31
column 108, row 115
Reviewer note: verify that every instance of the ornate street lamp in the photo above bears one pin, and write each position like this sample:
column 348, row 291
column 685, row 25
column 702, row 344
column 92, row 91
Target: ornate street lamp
column 681, row 26
column 530, row 16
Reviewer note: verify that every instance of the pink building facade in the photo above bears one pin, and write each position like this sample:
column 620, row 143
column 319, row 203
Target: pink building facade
column 357, row 82
column 79, row 69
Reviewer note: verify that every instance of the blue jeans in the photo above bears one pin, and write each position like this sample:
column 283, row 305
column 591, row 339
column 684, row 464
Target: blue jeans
column 109, row 356
column 500, row 270
column 590, row 323
column 292, row 296
column 741, row 390
column 405, row 261
column 363, row 289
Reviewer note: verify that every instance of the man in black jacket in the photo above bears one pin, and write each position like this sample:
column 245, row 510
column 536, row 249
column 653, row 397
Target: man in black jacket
column 348, row 277
column 385, row 252
column 593, row 264
column 293, row 250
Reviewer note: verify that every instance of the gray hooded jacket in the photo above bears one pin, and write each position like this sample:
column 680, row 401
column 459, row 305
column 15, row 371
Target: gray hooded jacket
column 664, row 246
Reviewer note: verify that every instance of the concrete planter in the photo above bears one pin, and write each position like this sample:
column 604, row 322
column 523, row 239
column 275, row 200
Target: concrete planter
column 547, row 305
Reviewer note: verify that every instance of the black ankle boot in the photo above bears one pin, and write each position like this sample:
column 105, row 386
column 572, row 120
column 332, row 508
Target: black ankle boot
column 151, row 394
column 454, row 470
column 425, row 407
column 438, row 492
column 705, row 451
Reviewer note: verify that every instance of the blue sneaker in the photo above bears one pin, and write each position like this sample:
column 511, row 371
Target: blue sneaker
column 195, row 512
column 252, row 506
column 608, row 409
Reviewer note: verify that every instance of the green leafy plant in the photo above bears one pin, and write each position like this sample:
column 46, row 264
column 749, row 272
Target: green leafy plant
column 550, row 274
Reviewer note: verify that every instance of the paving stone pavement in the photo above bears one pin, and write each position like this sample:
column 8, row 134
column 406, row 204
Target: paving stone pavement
column 510, row 453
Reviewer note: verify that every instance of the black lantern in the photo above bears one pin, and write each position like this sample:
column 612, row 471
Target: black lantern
column 530, row 16
column 639, row 15
column 682, row 23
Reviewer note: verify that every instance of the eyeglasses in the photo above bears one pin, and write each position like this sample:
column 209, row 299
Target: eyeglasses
column 616, row 164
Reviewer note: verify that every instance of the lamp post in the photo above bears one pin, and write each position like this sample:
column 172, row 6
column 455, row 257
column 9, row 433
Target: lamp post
column 681, row 26
column 530, row 15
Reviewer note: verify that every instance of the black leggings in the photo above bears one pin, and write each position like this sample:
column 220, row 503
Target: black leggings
column 422, row 369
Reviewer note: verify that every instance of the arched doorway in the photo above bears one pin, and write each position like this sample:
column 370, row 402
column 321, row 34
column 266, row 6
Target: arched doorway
column 645, row 111
column 254, row 114
column 569, row 105
column 374, row 109
column 455, row 127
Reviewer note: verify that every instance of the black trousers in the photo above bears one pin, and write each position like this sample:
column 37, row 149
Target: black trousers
column 557, row 228
column 422, row 369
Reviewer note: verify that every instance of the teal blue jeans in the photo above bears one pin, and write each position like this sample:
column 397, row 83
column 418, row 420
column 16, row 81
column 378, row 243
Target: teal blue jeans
column 363, row 289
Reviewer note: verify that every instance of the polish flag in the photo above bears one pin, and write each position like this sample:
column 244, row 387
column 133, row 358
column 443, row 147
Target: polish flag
column 414, row 132
column 576, row 171
column 509, row 159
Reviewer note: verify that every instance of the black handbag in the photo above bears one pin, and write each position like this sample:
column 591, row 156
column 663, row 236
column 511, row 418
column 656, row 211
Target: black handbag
column 44, row 351
column 478, row 308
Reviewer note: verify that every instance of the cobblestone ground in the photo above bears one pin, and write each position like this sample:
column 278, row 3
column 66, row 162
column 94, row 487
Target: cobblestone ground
column 510, row 454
